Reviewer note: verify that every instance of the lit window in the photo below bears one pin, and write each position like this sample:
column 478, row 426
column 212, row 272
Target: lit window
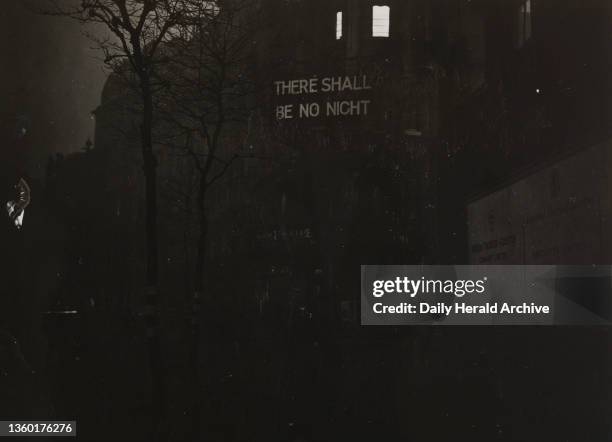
column 524, row 22
column 338, row 25
column 380, row 21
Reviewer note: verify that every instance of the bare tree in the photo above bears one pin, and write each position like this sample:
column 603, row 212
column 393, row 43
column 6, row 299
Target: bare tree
column 136, row 32
column 206, row 107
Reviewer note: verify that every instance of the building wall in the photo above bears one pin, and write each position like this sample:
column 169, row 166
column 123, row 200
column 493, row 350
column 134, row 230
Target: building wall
column 557, row 215
column 458, row 106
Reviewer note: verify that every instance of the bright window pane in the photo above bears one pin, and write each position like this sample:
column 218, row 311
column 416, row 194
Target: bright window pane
column 527, row 19
column 524, row 23
column 338, row 25
column 380, row 21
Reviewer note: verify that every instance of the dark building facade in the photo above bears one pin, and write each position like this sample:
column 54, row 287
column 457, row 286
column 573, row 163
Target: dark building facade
column 375, row 124
column 378, row 122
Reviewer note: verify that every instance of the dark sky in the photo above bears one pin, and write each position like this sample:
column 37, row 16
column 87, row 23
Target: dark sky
column 50, row 82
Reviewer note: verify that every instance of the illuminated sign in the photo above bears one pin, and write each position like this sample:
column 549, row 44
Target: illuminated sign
column 326, row 107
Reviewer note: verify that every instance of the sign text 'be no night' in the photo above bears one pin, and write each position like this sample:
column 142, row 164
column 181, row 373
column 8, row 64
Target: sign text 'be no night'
column 327, row 108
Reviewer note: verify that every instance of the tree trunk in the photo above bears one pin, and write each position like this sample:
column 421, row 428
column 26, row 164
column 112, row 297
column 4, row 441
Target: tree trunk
column 195, row 302
column 152, row 271
column 202, row 238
